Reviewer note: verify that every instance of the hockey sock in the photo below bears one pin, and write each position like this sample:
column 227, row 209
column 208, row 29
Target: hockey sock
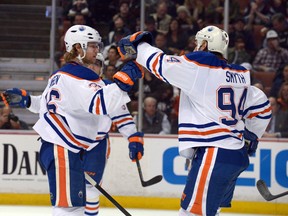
column 92, row 201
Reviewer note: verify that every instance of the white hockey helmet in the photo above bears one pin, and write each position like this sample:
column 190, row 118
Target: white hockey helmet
column 216, row 38
column 81, row 34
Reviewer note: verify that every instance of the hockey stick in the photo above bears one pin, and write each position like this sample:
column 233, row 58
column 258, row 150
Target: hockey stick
column 108, row 196
column 264, row 191
column 152, row 181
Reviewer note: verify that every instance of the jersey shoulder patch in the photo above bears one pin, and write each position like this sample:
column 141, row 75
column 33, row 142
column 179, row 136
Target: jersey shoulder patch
column 172, row 59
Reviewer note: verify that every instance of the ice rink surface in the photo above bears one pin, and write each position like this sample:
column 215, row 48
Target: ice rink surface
column 6, row 210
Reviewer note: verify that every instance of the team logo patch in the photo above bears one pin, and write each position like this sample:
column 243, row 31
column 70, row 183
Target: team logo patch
column 210, row 29
column 172, row 59
column 94, row 86
column 81, row 28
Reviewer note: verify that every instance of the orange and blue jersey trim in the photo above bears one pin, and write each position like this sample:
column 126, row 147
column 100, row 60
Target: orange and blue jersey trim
column 158, row 61
column 262, row 111
column 59, row 125
column 63, row 189
column 209, row 132
column 199, row 201
column 77, row 71
column 123, row 120
column 97, row 105
column 209, row 60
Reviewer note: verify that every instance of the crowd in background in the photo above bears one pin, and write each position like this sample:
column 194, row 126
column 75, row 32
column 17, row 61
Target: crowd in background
column 258, row 31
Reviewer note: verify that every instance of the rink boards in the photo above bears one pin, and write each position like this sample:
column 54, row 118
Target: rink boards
column 22, row 180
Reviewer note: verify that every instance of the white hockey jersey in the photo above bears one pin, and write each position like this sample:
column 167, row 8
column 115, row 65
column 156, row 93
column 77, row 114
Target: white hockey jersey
column 216, row 101
column 76, row 109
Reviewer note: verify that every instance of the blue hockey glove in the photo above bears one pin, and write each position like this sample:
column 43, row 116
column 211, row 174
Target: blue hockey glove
column 136, row 143
column 18, row 97
column 251, row 141
column 128, row 75
column 127, row 46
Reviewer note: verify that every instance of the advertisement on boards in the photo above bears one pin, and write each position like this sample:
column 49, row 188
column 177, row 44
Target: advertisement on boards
column 21, row 171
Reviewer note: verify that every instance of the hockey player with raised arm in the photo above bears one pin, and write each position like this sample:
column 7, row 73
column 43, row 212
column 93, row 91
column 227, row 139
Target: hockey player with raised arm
column 221, row 116
column 75, row 114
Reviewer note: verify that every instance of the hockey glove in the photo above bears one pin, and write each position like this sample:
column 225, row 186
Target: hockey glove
column 136, row 143
column 18, row 97
column 128, row 75
column 251, row 141
column 127, row 46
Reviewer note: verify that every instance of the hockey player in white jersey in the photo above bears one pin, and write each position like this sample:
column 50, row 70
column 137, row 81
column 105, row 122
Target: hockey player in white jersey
column 76, row 110
column 219, row 112
column 94, row 160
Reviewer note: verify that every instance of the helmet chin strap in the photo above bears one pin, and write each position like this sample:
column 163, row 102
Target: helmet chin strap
column 198, row 47
column 79, row 57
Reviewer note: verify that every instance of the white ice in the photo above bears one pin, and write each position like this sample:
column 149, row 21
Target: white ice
column 6, row 210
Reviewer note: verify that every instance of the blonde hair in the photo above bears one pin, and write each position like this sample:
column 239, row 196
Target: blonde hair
column 69, row 56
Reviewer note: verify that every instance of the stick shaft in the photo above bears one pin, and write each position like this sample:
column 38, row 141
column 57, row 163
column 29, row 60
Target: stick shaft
column 139, row 170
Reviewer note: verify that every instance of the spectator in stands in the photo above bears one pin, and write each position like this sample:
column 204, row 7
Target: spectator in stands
column 191, row 44
column 278, row 126
column 174, row 114
column 259, row 85
column 9, row 121
column 280, row 25
column 117, row 36
column 154, row 120
column 278, row 6
column 161, row 17
column 164, row 97
column 254, row 80
column 257, row 13
column 238, row 30
column 214, row 12
column 283, row 97
column 127, row 17
column 280, row 78
column 113, row 58
column 272, row 57
column 152, row 87
column 176, row 38
column 109, row 71
column 150, row 26
column 196, row 8
column 119, row 30
column 79, row 6
column 161, row 43
column 78, row 19
column 186, row 23
column 238, row 54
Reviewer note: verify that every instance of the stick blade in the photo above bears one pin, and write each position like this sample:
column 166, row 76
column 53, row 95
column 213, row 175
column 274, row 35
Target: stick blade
column 152, row 181
column 264, row 191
